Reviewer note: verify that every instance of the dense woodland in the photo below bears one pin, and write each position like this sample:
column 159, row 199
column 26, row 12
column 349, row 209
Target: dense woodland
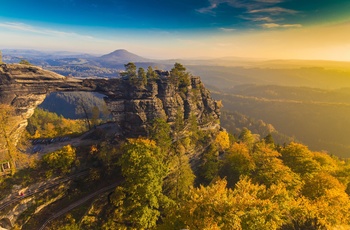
column 236, row 183
column 183, row 177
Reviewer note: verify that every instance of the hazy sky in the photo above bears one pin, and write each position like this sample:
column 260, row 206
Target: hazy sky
column 307, row 29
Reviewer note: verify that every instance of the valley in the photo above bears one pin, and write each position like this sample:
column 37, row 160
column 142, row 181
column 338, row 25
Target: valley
column 294, row 96
column 162, row 143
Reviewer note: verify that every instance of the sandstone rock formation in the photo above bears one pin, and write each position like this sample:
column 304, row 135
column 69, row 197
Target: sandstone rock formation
column 132, row 106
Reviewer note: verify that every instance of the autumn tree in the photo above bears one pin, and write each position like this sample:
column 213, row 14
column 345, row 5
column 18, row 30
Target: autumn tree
column 222, row 140
column 247, row 137
column 237, row 162
column 140, row 198
column 248, row 206
column 269, row 169
column 6, row 128
column 260, row 207
column 317, row 185
column 210, row 207
column 61, row 160
column 44, row 124
column 300, row 159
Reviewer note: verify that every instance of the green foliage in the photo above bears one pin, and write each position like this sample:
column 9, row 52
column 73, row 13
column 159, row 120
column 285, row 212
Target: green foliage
column 237, row 162
column 138, row 76
column 210, row 165
column 322, row 121
column 204, row 208
column 24, row 62
column 7, row 145
column 130, row 72
column 160, row 131
column 180, row 77
column 318, row 185
column 141, row 74
column 105, row 153
column 270, row 170
column 44, row 124
column 300, row 159
column 180, row 177
column 140, row 198
column 235, row 122
column 269, row 139
column 247, row 137
column 151, row 74
column 68, row 104
column 61, row 160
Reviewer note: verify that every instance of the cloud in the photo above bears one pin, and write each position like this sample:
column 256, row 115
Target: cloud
column 270, row 1
column 274, row 10
column 227, row 30
column 38, row 30
column 260, row 19
column 208, row 10
column 243, row 4
column 233, row 3
column 275, row 25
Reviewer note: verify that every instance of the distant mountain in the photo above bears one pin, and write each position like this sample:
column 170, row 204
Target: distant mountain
column 121, row 56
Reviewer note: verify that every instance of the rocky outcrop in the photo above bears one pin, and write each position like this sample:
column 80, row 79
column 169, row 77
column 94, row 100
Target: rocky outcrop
column 132, row 106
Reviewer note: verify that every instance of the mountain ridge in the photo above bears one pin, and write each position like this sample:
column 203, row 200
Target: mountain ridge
column 122, row 56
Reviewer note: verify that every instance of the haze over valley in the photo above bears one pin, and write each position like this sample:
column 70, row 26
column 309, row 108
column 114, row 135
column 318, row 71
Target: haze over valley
column 174, row 114
column 304, row 100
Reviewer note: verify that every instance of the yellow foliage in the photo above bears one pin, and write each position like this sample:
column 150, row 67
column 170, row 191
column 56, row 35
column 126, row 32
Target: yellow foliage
column 143, row 141
column 93, row 149
column 222, row 140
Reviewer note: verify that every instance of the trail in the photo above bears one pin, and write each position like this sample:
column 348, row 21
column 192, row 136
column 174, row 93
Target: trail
column 77, row 203
column 13, row 198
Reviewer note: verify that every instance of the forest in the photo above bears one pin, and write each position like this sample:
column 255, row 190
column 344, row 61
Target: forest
column 181, row 176
column 242, row 182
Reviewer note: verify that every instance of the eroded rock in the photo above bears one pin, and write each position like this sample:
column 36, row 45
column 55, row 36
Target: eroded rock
column 132, row 106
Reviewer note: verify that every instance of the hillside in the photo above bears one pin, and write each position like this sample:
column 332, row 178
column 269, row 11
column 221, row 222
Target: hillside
column 277, row 92
column 121, row 56
column 316, row 117
column 165, row 162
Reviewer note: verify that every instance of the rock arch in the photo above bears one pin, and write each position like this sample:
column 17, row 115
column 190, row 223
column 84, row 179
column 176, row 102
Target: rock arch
column 132, row 107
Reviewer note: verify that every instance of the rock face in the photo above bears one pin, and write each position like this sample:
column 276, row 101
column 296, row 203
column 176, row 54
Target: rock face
column 132, row 106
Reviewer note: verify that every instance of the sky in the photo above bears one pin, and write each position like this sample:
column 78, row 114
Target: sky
column 268, row 29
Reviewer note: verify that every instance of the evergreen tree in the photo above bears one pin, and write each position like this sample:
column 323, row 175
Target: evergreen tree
column 269, row 139
column 130, row 72
column 180, row 77
column 151, row 74
column 141, row 74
